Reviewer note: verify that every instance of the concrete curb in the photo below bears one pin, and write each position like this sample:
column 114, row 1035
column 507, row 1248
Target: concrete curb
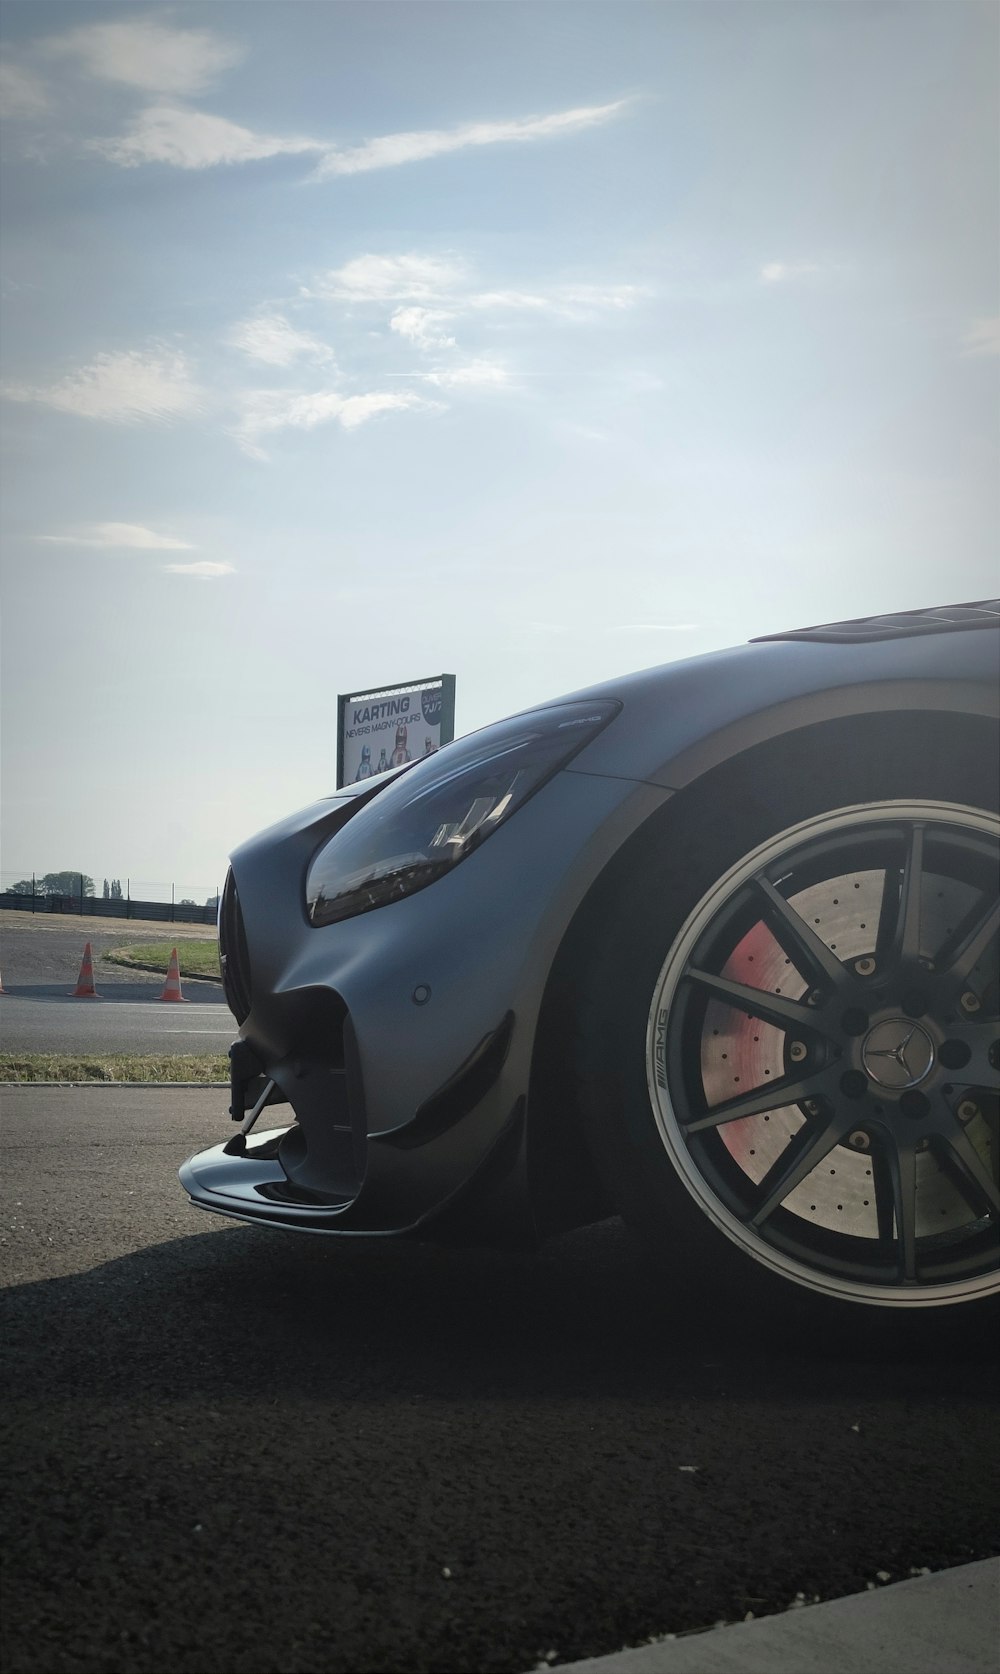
column 948, row 1623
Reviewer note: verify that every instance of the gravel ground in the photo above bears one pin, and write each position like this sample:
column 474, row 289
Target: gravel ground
column 245, row 1451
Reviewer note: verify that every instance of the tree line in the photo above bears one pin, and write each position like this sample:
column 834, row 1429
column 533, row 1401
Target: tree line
column 77, row 884
column 58, row 883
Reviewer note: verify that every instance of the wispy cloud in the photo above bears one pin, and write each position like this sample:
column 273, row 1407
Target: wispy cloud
column 784, row 273
column 423, row 327
column 269, row 338
column 192, row 139
column 448, row 281
column 22, row 94
column 124, row 387
column 390, row 150
column 476, row 374
column 402, row 278
column 430, row 297
column 152, row 56
column 570, row 302
column 134, row 536
column 983, row 337
column 204, row 569
column 654, row 627
column 267, row 411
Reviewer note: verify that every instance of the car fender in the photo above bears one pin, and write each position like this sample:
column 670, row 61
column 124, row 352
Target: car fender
column 680, row 721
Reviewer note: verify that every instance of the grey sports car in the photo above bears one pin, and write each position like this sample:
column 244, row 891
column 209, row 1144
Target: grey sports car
column 713, row 946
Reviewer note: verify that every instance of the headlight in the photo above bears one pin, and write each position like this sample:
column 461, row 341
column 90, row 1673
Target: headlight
column 439, row 810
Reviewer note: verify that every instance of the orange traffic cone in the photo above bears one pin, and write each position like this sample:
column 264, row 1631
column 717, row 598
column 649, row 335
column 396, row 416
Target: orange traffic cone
column 172, row 986
column 85, row 989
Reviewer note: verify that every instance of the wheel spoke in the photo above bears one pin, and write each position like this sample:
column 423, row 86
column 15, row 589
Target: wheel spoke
column 979, row 1071
column 901, row 915
column 775, row 1096
column 971, row 943
column 798, row 937
column 973, row 1170
column 902, row 1168
column 884, row 1198
column 772, row 1008
column 804, row 1151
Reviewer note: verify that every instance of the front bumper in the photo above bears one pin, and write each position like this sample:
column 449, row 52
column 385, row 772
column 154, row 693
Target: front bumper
column 402, row 1040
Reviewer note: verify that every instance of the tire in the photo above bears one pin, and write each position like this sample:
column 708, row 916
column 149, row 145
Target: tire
column 787, row 1044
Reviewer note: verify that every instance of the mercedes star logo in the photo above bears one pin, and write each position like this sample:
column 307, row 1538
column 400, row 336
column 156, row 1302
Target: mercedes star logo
column 898, row 1053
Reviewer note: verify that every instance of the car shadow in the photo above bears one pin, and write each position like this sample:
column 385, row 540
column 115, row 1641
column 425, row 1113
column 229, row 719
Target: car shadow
column 241, row 1310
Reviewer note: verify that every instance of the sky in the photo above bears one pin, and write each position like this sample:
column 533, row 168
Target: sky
column 535, row 343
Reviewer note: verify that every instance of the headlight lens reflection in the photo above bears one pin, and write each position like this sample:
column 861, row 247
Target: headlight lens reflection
column 437, row 812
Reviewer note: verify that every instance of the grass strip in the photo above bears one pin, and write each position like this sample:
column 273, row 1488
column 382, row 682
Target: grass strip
column 197, row 957
column 111, row 1067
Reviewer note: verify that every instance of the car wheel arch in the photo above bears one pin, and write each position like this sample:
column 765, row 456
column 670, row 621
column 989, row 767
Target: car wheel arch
column 567, row 1186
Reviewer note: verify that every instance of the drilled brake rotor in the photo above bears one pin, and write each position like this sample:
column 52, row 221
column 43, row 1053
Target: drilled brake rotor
column 738, row 1052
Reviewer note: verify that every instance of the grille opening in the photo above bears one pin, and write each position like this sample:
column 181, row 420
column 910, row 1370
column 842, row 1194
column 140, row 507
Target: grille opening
column 234, row 955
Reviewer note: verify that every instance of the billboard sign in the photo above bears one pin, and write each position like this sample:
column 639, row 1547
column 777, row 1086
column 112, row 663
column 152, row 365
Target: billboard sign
column 380, row 729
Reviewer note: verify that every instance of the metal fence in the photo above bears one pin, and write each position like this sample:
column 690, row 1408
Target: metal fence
column 171, row 912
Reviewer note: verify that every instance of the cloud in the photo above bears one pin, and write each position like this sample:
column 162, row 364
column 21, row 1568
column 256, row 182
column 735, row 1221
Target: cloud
column 269, row 338
column 422, row 326
column 125, row 387
column 983, row 337
column 783, row 273
column 655, row 627
column 571, row 302
column 132, row 535
column 149, row 55
column 371, row 278
column 203, row 569
column 267, row 411
column 393, row 149
column 477, row 374
column 191, row 139
column 446, row 281
column 22, row 95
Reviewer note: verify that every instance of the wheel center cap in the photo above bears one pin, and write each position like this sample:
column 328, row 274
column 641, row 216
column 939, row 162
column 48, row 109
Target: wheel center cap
column 898, row 1053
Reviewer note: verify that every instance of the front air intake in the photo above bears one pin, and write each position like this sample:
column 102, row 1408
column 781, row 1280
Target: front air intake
column 234, row 955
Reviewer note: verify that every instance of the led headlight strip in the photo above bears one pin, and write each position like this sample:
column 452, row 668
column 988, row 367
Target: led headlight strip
column 434, row 815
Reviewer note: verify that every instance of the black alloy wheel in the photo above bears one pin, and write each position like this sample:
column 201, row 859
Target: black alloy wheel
column 823, row 1056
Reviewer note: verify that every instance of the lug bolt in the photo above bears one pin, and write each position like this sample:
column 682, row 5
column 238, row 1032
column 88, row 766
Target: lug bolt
column 865, row 967
column 811, row 1107
column 859, row 1139
column 967, row 1109
column 970, row 1001
column 797, row 1051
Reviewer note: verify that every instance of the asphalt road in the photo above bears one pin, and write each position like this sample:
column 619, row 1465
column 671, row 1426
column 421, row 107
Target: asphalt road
column 242, row 1450
column 51, row 1023
column 40, row 962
